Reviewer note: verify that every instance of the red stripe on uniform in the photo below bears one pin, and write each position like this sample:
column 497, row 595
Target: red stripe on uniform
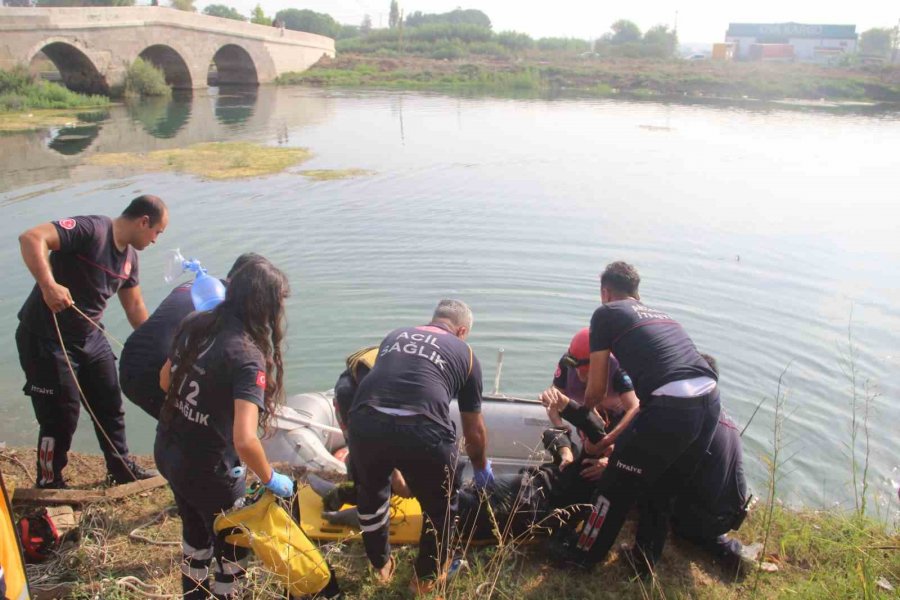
column 101, row 267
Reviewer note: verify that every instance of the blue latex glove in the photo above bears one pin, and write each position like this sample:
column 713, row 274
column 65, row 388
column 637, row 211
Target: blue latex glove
column 280, row 485
column 484, row 477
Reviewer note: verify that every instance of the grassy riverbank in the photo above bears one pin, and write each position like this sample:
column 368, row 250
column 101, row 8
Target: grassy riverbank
column 641, row 78
column 30, row 103
column 817, row 554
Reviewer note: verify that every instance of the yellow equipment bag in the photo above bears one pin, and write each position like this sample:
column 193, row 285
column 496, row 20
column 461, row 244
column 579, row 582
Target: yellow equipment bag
column 405, row 525
column 276, row 539
column 13, row 582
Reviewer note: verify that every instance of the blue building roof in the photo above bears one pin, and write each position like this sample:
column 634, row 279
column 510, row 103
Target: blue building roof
column 783, row 31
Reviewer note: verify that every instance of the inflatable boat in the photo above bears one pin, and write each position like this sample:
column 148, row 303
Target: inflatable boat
column 306, row 432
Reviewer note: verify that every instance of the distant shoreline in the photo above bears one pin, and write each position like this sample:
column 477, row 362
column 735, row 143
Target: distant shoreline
column 640, row 79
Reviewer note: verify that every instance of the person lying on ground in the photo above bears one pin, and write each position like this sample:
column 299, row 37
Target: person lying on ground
column 536, row 500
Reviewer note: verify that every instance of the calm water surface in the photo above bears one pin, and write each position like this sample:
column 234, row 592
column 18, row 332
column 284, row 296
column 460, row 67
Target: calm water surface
column 762, row 231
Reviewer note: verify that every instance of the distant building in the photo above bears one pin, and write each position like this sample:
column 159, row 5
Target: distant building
column 809, row 42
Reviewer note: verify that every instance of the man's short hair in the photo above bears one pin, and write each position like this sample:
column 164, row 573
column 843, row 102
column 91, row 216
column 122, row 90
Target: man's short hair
column 455, row 311
column 151, row 206
column 622, row 278
column 242, row 260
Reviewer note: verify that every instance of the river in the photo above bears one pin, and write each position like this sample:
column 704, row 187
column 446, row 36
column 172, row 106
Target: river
column 763, row 231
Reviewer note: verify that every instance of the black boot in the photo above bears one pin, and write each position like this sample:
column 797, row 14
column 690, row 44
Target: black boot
column 130, row 472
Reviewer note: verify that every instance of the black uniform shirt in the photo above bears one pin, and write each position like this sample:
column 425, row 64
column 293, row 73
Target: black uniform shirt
column 90, row 265
column 651, row 346
column 148, row 346
column 229, row 368
column 420, row 369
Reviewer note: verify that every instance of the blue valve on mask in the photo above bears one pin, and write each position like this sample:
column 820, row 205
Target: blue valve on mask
column 207, row 292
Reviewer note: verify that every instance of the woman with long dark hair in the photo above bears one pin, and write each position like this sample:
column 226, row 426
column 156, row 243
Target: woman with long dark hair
column 223, row 382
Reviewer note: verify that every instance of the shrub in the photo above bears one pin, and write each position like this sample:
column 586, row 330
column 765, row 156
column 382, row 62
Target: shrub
column 145, row 79
column 19, row 90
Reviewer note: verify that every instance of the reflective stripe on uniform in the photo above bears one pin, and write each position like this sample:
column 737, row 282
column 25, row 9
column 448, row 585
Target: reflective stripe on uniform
column 196, row 553
column 376, row 526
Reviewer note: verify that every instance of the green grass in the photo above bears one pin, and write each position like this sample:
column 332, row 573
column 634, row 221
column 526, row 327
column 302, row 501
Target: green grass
column 20, row 91
column 636, row 78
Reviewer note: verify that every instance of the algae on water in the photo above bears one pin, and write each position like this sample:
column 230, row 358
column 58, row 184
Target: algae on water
column 215, row 160
column 331, row 174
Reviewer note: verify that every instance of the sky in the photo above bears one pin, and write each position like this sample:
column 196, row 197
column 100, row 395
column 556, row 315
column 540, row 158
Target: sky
column 698, row 20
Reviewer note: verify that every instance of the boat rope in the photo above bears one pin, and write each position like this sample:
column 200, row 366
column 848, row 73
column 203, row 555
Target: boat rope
column 84, row 399
column 137, row 536
column 148, row 590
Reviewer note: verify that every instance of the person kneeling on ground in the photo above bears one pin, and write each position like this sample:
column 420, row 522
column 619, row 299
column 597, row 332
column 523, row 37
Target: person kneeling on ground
column 223, row 381
column 147, row 348
column 715, row 500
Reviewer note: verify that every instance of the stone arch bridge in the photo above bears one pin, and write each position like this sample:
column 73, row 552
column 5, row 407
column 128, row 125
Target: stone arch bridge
column 92, row 47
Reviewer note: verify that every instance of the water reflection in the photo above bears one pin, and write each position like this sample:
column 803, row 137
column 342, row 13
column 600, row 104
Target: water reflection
column 162, row 118
column 73, row 140
column 235, row 104
column 258, row 113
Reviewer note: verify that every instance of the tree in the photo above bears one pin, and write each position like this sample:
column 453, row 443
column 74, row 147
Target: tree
column 19, row 3
column 366, row 25
column 259, row 17
column 65, row 3
column 660, row 41
column 185, row 5
column 226, row 12
column 309, row 21
column 394, row 18
column 454, row 17
column 624, row 31
column 877, row 41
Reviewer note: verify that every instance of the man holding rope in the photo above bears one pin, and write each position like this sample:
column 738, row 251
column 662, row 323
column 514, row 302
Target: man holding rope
column 62, row 345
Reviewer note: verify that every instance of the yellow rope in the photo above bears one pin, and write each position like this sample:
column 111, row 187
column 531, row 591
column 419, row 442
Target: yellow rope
column 95, row 324
column 84, row 399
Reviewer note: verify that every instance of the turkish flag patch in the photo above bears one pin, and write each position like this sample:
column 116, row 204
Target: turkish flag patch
column 127, row 268
column 558, row 372
column 67, row 223
column 261, row 379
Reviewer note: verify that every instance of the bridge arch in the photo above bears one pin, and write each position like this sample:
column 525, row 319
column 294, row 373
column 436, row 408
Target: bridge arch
column 234, row 66
column 172, row 64
column 78, row 71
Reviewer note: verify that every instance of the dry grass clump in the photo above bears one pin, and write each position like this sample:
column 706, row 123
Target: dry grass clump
column 214, row 160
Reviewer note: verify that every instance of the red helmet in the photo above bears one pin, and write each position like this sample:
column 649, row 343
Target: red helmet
column 580, row 349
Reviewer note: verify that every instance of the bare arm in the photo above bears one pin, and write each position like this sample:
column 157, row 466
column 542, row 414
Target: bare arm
column 246, row 442
column 133, row 302
column 36, row 244
column 165, row 376
column 631, row 405
column 475, row 434
column 598, row 379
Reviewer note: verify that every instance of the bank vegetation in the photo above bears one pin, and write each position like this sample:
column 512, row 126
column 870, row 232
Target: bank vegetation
column 22, row 91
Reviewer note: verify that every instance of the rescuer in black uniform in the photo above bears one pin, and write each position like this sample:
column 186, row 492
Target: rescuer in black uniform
column 400, row 419
column 223, row 382
column 679, row 412
column 148, row 346
column 714, row 500
column 90, row 259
